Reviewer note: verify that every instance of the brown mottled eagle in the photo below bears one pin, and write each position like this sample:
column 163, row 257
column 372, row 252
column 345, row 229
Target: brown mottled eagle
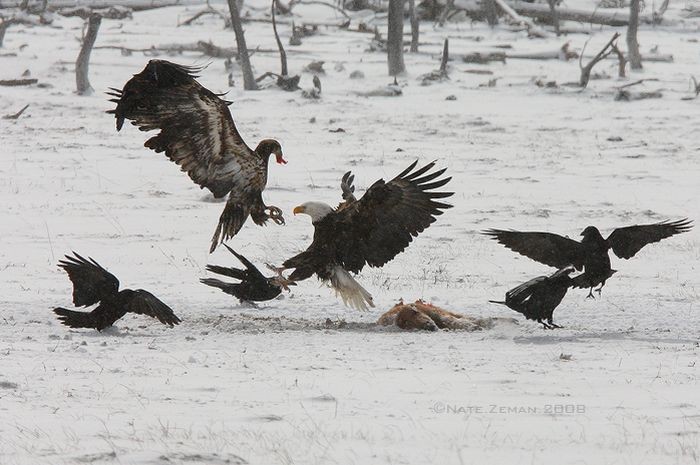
column 93, row 284
column 591, row 254
column 198, row 133
column 369, row 231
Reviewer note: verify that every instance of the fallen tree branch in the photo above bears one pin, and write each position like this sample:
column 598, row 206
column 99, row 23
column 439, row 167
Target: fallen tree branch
column 293, row 3
column 17, row 82
column 532, row 29
column 562, row 53
column 635, row 83
column 209, row 10
column 543, row 13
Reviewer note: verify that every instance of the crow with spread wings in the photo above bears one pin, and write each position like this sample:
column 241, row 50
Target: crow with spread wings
column 591, row 254
column 198, row 133
column 93, row 284
column 252, row 285
column 369, row 231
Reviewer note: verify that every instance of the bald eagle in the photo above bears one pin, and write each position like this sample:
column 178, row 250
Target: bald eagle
column 369, row 231
column 198, row 133
column 591, row 254
column 93, row 284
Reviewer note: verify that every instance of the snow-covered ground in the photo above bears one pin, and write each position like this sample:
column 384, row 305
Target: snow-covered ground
column 281, row 384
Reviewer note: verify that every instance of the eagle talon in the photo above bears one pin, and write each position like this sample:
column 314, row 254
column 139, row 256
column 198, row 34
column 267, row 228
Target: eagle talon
column 276, row 215
column 280, row 279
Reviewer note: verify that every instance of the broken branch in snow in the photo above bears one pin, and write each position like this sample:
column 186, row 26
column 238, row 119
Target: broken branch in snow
column 621, row 61
column 440, row 74
column 292, row 3
column 209, row 10
column 22, row 18
column 18, row 82
column 696, row 89
column 484, row 58
column 604, row 52
column 635, row 83
column 16, row 115
column 627, row 96
column 532, row 29
column 562, row 53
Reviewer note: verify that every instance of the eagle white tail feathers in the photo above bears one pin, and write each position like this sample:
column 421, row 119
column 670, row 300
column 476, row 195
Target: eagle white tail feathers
column 352, row 293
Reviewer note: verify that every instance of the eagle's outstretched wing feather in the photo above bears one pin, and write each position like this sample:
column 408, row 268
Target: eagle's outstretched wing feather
column 626, row 242
column 381, row 224
column 196, row 128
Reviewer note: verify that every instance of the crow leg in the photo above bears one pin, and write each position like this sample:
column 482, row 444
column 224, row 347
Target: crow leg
column 544, row 325
column 552, row 324
column 600, row 290
column 590, row 294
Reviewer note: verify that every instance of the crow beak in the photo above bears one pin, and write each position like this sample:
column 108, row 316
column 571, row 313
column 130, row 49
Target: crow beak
column 299, row 209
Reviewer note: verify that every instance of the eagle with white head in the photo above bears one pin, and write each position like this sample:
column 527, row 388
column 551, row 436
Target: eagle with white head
column 369, row 231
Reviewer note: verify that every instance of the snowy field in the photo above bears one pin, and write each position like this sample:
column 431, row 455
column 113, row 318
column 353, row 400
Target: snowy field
column 303, row 379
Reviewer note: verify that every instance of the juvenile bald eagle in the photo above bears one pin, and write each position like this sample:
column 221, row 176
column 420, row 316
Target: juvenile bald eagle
column 198, row 133
column 253, row 286
column 369, row 231
column 538, row 297
column 93, row 284
column 591, row 254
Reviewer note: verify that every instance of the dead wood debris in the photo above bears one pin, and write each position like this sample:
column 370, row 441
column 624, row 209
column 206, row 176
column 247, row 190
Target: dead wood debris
column 604, row 52
column 16, row 115
column 18, row 82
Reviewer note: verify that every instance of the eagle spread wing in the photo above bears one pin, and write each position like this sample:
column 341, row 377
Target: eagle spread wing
column 626, row 242
column 91, row 282
column 374, row 229
column 196, row 128
column 145, row 303
column 550, row 249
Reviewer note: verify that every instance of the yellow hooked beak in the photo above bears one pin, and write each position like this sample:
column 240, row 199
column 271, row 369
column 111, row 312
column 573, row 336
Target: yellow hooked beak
column 299, row 209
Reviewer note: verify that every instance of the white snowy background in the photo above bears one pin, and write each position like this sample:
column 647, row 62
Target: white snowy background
column 277, row 385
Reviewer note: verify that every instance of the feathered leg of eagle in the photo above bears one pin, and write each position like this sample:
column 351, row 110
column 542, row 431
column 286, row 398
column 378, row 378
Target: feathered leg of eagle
column 352, row 293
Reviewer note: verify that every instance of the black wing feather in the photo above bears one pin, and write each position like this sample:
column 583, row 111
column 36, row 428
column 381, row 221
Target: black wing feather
column 550, row 249
column 626, row 242
column 144, row 303
column 91, row 282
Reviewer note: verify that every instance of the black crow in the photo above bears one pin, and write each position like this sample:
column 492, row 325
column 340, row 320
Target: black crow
column 537, row 298
column 253, row 286
column 591, row 254
column 93, row 284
